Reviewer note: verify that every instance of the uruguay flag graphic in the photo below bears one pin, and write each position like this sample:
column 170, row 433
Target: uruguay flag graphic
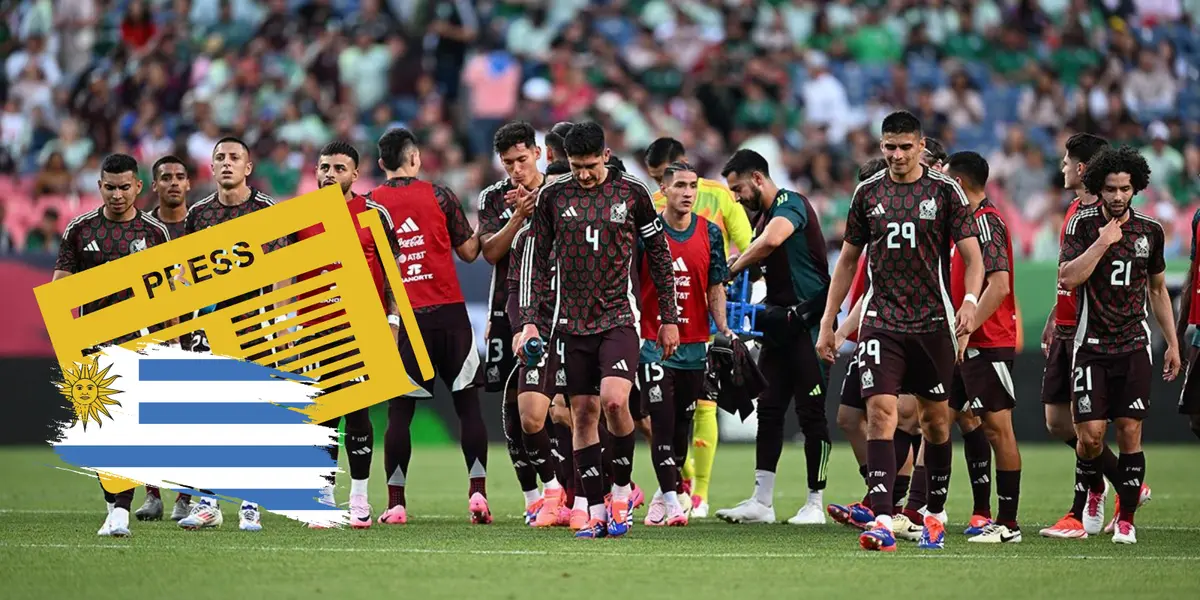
column 208, row 426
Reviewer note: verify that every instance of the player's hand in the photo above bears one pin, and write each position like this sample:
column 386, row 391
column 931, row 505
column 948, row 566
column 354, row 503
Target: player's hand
column 1171, row 363
column 395, row 333
column 1110, row 233
column 1047, row 337
column 525, row 201
column 529, row 332
column 839, row 339
column 965, row 320
column 827, row 345
column 727, row 332
column 962, row 348
column 668, row 339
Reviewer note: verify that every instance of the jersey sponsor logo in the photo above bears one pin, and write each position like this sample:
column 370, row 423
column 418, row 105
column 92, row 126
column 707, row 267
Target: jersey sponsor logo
column 1141, row 247
column 415, row 272
column 411, row 242
column 928, row 209
column 507, row 214
column 408, row 226
column 403, row 258
column 619, row 212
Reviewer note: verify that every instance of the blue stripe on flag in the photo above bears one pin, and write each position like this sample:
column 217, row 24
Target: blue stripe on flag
column 221, row 413
column 201, row 369
column 270, row 499
column 195, row 456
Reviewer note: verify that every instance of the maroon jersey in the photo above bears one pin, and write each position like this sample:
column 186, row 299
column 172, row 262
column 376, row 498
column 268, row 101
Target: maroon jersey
column 1000, row 330
column 522, row 250
column 593, row 233
column 357, row 204
column 909, row 228
column 91, row 240
column 1113, row 301
column 176, row 229
column 1065, row 305
column 429, row 224
column 494, row 214
column 211, row 211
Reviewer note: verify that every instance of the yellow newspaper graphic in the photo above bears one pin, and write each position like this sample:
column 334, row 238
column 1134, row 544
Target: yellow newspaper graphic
column 226, row 261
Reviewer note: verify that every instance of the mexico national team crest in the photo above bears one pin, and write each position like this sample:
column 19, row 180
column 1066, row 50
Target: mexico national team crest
column 928, row 209
column 137, row 245
column 1141, row 247
column 619, row 212
column 531, row 377
column 656, row 395
column 560, row 378
column 493, row 374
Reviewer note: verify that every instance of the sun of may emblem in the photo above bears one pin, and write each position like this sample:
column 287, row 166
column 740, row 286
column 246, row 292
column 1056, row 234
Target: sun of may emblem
column 87, row 389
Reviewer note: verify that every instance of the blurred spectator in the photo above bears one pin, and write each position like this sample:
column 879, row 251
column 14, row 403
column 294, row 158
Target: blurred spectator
column 1043, row 104
column 493, row 77
column 138, row 28
column 1150, row 88
column 961, row 102
column 1166, row 163
column 825, row 101
column 44, row 237
column 54, row 178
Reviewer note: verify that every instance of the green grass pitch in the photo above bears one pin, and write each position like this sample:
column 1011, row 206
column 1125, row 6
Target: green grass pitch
column 49, row 547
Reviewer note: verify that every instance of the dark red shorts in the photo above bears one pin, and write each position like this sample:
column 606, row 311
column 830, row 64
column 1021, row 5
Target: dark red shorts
column 1056, row 378
column 1112, row 386
column 851, row 393
column 983, row 382
column 499, row 361
column 591, row 358
column 892, row 363
column 657, row 384
column 450, row 341
column 1189, row 398
column 548, row 377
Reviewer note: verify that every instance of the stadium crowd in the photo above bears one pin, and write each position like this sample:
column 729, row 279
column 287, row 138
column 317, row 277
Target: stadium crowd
column 804, row 83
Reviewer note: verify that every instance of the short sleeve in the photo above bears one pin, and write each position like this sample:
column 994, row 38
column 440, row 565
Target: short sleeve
column 1158, row 262
column 993, row 243
column 858, row 229
column 456, row 220
column 68, row 260
column 718, row 269
column 1079, row 237
column 962, row 223
column 644, row 216
column 792, row 208
column 491, row 200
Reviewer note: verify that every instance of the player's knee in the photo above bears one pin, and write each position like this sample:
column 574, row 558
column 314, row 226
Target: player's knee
column 849, row 420
column 530, row 423
column 1059, row 430
column 1091, row 441
column 1129, row 435
column 968, row 421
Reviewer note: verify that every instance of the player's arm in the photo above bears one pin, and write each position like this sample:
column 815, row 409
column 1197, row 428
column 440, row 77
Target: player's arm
column 535, row 266
column 777, row 231
column 462, row 236
column 1160, row 304
column 1082, row 250
column 737, row 223
column 1185, row 300
column 495, row 241
column 658, row 257
column 964, row 230
column 856, row 238
column 993, row 244
column 718, row 274
column 391, row 307
column 68, row 259
column 853, row 318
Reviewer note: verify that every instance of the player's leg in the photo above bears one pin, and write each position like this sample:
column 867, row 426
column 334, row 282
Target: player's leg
column 397, row 438
column 702, row 453
column 993, row 397
column 581, row 366
column 908, row 442
column 852, row 420
column 779, row 371
column 808, row 396
column 882, row 362
column 463, row 362
column 1092, row 404
column 359, row 438
column 116, row 524
column 618, row 354
column 1128, row 411
column 1189, row 397
column 657, row 394
column 978, row 454
column 688, row 385
column 932, row 370
column 510, row 413
column 152, row 508
column 534, row 404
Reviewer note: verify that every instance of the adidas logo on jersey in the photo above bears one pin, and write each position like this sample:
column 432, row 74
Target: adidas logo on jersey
column 570, row 212
column 507, row 214
column 621, row 365
column 679, row 264
column 878, row 211
column 1138, row 405
column 93, row 246
column 409, row 226
column 940, row 389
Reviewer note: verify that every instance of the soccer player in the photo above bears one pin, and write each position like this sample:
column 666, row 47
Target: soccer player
column 592, row 220
column 1115, row 254
column 715, row 203
column 791, row 249
column 909, row 215
column 983, row 384
column 431, row 228
column 115, row 230
column 337, row 164
column 670, row 388
column 1058, row 346
column 504, row 208
column 231, row 166
column 1189, row 314
column 171, row 183
column 556, row 155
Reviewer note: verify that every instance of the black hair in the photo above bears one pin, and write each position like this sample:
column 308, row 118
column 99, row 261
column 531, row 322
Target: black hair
column 169, row 159
column 555, row 137
column 584, row 139
column 341, row 147
column 394, row 145
column 870, row 168
column 677, row 167
column 558, row 167
column 936, row 150
column 230, row 139
column 901, row 122
column 615, row 163
column 1083, row 146
column 1120, row 160
column 745, row 162
column 512, row 134
column 116, row 164
column 971, row 167
column 662, row 151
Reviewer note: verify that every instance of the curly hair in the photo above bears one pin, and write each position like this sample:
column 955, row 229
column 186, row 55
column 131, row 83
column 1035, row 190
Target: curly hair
column 1125, row 159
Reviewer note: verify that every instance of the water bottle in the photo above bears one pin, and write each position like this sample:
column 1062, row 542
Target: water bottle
column 534, row 349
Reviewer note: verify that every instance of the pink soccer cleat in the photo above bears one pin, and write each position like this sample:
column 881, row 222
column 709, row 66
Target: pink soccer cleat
column 395, row 515
column 478, row 507
column 360, row 512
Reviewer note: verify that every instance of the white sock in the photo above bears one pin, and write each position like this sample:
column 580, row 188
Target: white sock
column 120, row 513
column 531, row 496
column 816, row 497
column 621, row 492
column 657, row 495
column 553, row 484
column 580, row 503
column 358, row 487
column 111, row 506
column 598, row 512
column 764, row 487
column 672, row 500
column 884, row 520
